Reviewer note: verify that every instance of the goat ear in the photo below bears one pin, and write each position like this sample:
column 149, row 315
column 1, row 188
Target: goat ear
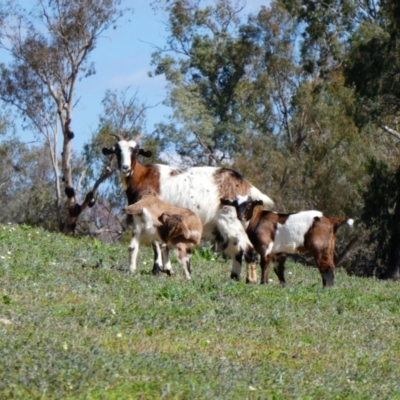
column 164, row 217
column 185, row 230
column 226, row 202
column 145, row 153
column 107, row 151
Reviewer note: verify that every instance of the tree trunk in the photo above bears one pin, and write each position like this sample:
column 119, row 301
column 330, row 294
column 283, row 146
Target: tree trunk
column 393, row 266
column 348, row 250
column 75, row 209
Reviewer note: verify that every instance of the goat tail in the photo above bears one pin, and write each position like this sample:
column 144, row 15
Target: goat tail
column 339, row 221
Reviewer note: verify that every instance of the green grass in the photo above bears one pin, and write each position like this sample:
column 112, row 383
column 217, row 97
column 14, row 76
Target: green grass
column 83, row 328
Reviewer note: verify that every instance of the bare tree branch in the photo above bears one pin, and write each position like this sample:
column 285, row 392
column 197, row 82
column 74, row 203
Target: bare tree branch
column 348, row 249
column 205, row 147
column 391, row 131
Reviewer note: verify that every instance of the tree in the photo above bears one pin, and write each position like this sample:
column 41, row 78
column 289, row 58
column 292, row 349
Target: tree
column 289, row 120
column 49, row 49
column 311, row 148
column 205, row 62
column 374, row 55
column 26, row 194
column 360, row 38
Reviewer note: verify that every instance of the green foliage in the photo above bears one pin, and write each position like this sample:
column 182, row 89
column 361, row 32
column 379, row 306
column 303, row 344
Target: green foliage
column 205, row 73
column 379, row 202
column 26, row 185
column 205, row 252
column 373, row 58
column 83, row 328
column 49, row 46
column 372, row 65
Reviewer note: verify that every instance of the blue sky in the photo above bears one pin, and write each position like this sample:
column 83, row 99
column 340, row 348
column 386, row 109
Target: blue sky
column 122, row 59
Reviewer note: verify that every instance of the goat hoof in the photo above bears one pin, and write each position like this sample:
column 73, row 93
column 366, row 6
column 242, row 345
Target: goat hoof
column 168, row 272
column 250, row 282
column 155, row 270
column 234, row 276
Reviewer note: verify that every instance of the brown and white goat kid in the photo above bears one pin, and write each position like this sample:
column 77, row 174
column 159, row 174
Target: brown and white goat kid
column 198, row 189
column 274, row 235
column 154, row 219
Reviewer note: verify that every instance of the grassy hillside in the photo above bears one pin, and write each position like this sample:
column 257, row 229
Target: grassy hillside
column 82, row 328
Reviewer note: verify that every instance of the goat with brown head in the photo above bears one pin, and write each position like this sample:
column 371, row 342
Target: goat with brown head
column 274, row 235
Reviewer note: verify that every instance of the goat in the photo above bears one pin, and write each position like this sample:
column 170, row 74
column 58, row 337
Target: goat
column 274, row 235
column 234, row 241
column 196, row 188
column 156, row 220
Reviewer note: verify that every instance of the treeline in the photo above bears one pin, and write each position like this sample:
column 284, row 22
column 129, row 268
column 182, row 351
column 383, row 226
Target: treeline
column 302, row 97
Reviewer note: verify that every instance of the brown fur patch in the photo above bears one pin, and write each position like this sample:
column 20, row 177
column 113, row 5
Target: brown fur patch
column 231, row 183
column 176, row 172
column 174, row 225
column 144, row 180
column 261, row 230
column 337, row 222
column 282, row 218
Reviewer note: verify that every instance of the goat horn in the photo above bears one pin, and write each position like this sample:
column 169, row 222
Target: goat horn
column 137, row 138
column 119, row 137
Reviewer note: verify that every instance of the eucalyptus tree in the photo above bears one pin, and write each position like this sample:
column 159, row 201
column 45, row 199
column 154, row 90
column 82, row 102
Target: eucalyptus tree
column 49, row 48
column 360, row 39
column 206, row 62
column 289, row 132
column 372, row 68
column 311, row 149
column 26, row 194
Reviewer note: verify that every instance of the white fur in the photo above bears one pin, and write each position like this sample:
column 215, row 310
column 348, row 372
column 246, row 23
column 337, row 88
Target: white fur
column 290, row 235
column 234, row 236
column 143, row 226
column 241, row 199
column 126, row 159
column 194, row 189
column 269, row 248
column 126, row 152
column 268, row 204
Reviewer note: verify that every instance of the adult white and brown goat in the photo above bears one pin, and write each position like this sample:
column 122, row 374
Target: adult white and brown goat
column 177, row 227
column 197, row 188
column 274, row 235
